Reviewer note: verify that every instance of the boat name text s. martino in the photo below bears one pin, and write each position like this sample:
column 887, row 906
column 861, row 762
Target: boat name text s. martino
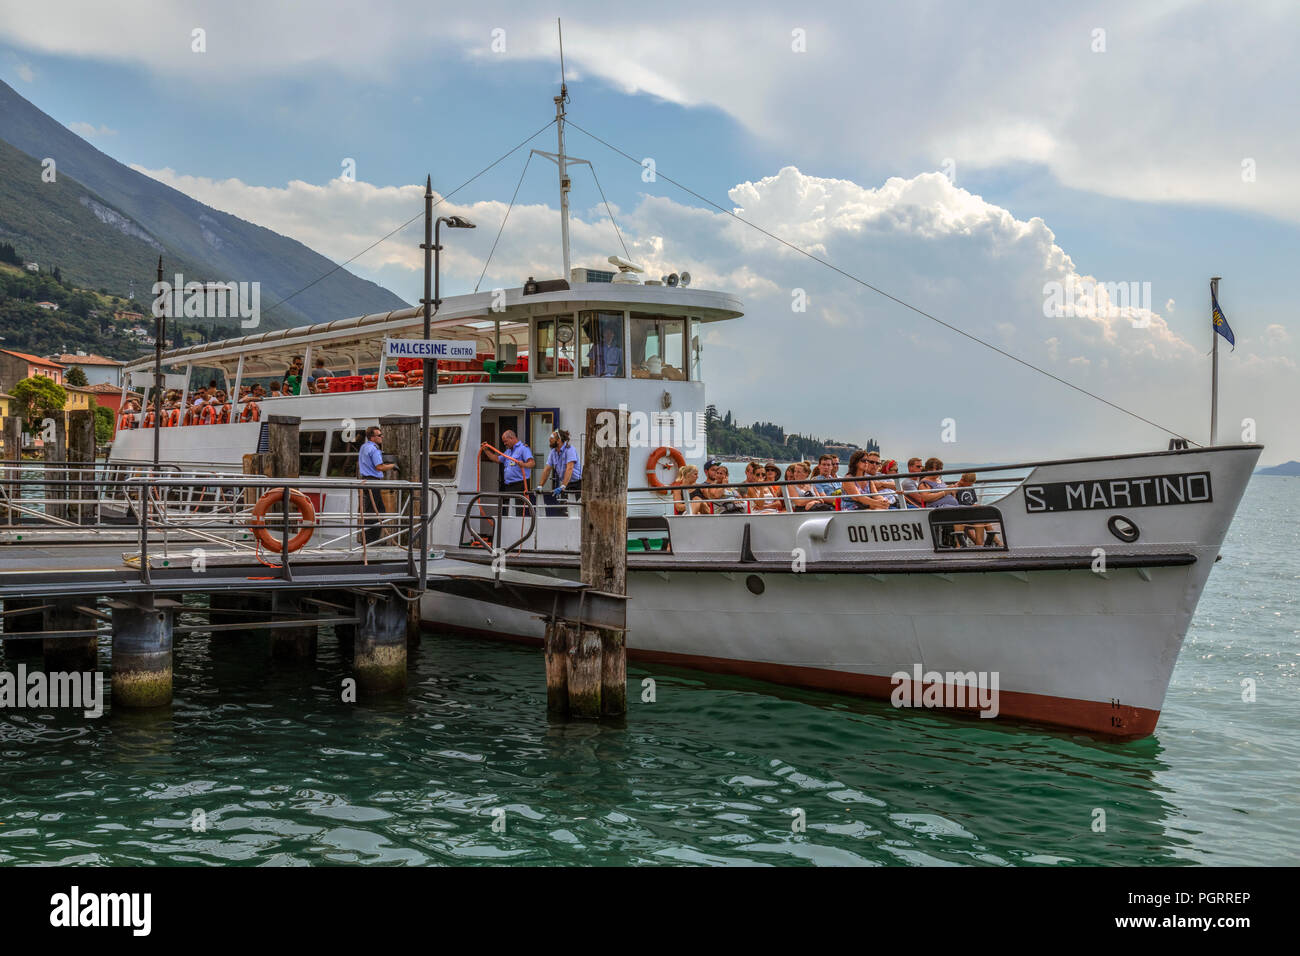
column 1107, row 493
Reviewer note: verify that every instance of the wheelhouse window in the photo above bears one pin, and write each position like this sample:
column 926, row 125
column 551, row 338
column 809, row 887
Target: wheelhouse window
column 693, row 355
column 555, row 348
column 601, row 349
column 657, row 347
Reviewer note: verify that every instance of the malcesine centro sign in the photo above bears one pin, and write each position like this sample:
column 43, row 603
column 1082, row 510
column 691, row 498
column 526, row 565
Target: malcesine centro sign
column 452, row 350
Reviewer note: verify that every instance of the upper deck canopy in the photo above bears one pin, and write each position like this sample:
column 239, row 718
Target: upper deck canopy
column 461, row 316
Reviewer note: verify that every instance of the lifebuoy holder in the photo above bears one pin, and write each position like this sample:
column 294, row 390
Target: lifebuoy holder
column 653, row 462
column 257, row 522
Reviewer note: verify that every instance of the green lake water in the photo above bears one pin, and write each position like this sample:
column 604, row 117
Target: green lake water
column 262, row 763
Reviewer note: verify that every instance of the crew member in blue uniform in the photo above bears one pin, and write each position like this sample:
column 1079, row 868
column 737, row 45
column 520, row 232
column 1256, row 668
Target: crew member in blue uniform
column 519, row 463
column 371, row 467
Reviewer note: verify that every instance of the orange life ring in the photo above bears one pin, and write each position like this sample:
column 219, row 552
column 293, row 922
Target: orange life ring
column 250, row 412
column 206, row 415
column 171, row 417
column 223, row 417
column 296, row 498
column 126, row 421
column 652, row 464
column 149, row 419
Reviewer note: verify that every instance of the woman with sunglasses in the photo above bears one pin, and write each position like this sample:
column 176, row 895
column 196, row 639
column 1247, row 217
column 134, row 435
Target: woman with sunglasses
column 768, row 499
column 858, row 486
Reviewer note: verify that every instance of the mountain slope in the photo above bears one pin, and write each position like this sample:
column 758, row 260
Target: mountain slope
column 65, row 224
column 216, row 244
column 1286, row 468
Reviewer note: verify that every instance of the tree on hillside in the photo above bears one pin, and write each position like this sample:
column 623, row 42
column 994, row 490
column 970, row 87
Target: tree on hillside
column 39, row 398
column 103, row 424
column 77, row 376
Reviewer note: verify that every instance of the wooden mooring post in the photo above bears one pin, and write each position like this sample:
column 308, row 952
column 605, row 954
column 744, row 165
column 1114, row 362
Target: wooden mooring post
column 283, row 460
column 402, row 442
column 55, row 451
column 81, row 450
column 593, row 679
column 13, row 451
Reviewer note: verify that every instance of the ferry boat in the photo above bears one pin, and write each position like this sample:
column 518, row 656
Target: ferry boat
column 1074, row 611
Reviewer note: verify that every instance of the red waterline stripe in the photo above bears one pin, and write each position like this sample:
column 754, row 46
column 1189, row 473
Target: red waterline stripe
column 1097, row 717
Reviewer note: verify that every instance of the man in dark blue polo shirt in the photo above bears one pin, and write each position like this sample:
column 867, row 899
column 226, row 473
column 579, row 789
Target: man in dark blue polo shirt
column 371, row 467
column 563, row 464
column 519, row 463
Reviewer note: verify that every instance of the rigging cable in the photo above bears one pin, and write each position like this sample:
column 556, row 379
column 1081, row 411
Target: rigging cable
column 504, row 220
column 440, row 201
column 592, row 167
column 882, row 292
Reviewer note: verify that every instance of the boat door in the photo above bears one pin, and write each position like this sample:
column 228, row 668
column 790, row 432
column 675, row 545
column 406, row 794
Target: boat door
column 495, row 422
column 541, row 422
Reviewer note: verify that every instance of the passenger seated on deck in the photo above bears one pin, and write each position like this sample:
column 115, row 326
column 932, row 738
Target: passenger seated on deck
column 967, row 496
column 773, row 498
column 889, row 482
column 686, row 501
column 934, row 491
column 908, row 485
column 754, row 474
column 858, row 494
column 275, row 390
column 881, row 485
column 804, row 496
column 720, row 499
column 824, row 480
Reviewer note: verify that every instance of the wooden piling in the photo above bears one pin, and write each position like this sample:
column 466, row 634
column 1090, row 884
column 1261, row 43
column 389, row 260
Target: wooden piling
column 597, row 672
column 55, row 452
column 13, row 451
column 291, row 643
column 557, row 667
column 402, row 442
column 69, row 653
column 254, row 464
column 19, row 622
column 283, row 452
column 81, row 450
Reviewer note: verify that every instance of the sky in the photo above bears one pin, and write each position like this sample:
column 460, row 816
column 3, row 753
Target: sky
column 977, row 162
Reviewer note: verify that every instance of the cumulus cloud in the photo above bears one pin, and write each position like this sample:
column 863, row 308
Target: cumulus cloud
column 854, row 364
column 1178, row 104
column 25, row 73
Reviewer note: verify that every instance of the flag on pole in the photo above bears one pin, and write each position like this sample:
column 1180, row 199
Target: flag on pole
column 1220, row 322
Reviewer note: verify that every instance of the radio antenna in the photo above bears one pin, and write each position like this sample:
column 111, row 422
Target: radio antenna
column 564, row 90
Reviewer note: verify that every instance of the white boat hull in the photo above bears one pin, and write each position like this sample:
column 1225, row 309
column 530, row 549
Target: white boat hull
column 1075, row 647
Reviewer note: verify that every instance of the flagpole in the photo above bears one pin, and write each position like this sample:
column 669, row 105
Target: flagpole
column 1214, row 364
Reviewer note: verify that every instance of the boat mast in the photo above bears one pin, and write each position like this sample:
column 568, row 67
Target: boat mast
column 561, row 160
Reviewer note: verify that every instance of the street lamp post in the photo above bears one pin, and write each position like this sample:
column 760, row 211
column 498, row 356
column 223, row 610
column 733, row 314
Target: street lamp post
column 432, row 247
column 159, row 330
